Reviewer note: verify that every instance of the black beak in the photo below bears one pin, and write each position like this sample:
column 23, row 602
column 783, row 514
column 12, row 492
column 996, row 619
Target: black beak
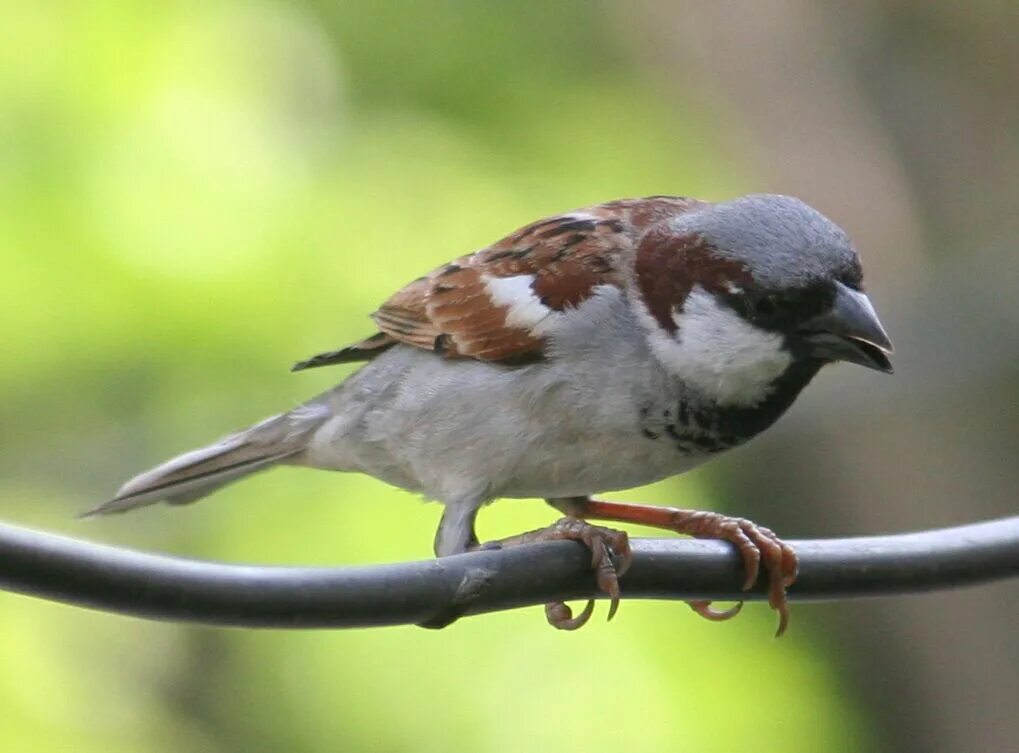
column 850, row 331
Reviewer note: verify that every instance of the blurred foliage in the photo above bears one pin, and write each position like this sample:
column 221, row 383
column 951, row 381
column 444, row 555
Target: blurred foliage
column 194, row 195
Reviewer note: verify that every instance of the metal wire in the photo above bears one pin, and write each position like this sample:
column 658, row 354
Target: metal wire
column 435, row 592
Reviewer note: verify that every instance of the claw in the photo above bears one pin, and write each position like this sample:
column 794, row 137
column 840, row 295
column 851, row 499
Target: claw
column 560, row 616
column 703, row 608
column 783, row 619
column 607, row 574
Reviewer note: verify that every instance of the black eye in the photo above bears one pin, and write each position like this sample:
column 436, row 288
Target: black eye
column 852, row 278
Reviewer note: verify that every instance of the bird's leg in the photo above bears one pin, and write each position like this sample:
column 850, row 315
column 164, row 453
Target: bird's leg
column 756, row 544
column 606, row 545
column 456, row 535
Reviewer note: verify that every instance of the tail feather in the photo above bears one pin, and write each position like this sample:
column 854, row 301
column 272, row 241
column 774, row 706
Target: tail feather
column 195, row 474
column 365, row 350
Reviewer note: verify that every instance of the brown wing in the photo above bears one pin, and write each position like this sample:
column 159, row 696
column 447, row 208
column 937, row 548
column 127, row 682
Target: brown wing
column 494, row 304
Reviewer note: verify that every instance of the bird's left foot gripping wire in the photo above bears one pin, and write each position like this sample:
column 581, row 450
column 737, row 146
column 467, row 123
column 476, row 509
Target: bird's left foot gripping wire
column 610, row 559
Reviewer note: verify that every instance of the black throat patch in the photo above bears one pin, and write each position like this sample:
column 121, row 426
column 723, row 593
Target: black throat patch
column 698, row 428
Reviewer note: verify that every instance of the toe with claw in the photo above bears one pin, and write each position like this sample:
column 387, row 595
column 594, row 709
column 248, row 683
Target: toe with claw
column 610, row 559
column 758, row 546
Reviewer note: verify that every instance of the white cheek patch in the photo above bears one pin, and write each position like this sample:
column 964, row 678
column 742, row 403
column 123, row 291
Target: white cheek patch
column 719, row 354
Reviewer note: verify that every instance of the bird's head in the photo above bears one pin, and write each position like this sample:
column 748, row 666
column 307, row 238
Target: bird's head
column 733, row 294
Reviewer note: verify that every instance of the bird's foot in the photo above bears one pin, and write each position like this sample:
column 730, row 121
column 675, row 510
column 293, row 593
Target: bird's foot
column 610, row 559
column 757, row 545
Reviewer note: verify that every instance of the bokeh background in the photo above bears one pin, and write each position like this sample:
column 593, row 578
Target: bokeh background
column 195, row 195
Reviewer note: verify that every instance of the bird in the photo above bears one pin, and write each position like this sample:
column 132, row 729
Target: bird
column 595, row 350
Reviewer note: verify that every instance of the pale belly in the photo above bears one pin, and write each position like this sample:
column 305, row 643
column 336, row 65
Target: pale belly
column 482, row 432
column 594, row 464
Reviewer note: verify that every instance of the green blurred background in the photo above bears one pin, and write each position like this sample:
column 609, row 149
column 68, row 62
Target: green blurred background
column 195, row 195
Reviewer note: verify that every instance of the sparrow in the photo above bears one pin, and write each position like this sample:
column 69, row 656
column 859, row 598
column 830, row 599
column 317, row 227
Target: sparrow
column 596, row 350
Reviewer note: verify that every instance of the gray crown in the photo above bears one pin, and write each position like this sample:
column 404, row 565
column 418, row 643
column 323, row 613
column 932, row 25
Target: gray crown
column 783, row 242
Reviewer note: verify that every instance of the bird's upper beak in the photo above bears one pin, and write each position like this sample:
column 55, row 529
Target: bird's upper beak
column 850, row 331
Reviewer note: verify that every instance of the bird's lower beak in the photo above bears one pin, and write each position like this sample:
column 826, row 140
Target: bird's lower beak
column 850, row 331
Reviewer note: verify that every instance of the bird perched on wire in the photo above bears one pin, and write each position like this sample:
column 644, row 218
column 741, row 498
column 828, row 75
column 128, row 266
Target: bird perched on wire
column 600, row 349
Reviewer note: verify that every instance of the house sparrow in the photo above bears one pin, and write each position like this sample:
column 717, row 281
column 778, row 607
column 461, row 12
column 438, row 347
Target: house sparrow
column 601, row 349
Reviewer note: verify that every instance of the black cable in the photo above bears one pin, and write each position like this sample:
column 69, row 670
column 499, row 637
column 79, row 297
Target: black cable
column 169, row 588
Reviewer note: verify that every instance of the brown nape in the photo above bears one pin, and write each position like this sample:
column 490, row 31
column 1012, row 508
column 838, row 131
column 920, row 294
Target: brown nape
column 365, row 350
column 669, row 266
